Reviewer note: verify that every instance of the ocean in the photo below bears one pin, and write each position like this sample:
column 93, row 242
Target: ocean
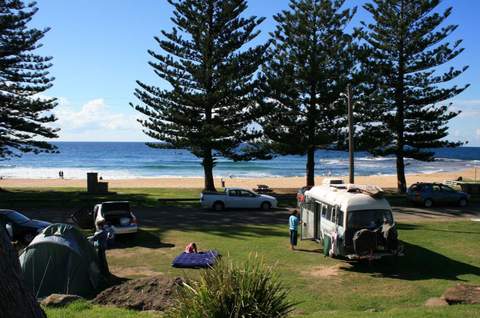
column 124, row 160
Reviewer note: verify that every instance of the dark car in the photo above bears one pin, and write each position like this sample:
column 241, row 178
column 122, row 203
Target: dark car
column 20, row 227
column 429, row 194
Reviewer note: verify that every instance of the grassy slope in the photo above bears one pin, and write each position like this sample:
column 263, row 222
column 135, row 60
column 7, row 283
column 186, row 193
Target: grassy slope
column 439, row 255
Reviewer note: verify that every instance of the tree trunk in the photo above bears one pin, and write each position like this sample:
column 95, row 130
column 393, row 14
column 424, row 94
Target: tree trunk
column 16, row 301
column 400, row 115
column 401, row 181
column 208, row 171
column 311, row 167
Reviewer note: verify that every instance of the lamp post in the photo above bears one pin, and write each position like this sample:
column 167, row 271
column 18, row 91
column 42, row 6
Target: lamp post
column 351, row 154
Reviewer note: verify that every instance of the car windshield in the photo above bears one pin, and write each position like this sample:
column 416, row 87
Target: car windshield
column 17, row 218
column 370, row 219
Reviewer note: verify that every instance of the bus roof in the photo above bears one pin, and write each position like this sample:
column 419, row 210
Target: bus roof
column 348, row 201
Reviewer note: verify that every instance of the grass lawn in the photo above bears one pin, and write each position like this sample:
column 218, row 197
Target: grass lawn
column 438, row 255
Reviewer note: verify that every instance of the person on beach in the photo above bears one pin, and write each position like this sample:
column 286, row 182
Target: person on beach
column 293, row 225
column 191, row 248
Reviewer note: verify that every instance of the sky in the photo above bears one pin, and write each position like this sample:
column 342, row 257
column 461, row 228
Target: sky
column 100, row 49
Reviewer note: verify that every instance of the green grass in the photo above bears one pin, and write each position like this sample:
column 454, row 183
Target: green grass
column 82, row 309
column 77, row 197
column 438, row 255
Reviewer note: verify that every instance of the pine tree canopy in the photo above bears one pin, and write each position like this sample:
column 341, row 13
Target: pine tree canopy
column 407, row 66
column 311, row 62
column 210, row 67
column 24, row 116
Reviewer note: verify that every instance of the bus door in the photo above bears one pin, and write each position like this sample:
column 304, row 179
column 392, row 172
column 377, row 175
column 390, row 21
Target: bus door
column 307, row 216
column 318, row 221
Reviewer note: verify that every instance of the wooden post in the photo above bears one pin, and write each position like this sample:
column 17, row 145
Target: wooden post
column 351, row 169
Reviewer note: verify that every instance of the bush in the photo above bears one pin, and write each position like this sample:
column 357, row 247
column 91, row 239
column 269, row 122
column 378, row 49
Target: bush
column 227, row 290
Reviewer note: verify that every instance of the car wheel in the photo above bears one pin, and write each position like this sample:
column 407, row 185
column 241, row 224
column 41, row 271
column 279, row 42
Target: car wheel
column 428, row 203
column 218, row 206
column 463, row 202
column 265, row 206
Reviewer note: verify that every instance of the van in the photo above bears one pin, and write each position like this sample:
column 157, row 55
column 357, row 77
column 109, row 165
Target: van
column 351, row 221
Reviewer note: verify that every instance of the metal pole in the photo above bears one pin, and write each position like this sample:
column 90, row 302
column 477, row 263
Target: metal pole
column 350, row 135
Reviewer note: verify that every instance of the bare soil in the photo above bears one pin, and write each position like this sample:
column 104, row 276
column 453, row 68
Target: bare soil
column 152, row 293
column 463, row 294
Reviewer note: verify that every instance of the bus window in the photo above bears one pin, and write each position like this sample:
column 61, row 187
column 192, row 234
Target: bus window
column 324, row 210
column 339, row 217
column 329, row 213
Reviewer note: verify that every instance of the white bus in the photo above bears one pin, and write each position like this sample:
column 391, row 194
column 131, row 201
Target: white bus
column 352, row 221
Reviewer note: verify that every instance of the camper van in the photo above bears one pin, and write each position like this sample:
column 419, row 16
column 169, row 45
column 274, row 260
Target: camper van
column 352, row 221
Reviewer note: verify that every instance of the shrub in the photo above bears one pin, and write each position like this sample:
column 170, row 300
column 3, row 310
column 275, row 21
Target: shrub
column 227, row 290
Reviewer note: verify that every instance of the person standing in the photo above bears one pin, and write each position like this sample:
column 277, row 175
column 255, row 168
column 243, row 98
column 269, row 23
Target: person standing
column 293, row 225
column 100, row 240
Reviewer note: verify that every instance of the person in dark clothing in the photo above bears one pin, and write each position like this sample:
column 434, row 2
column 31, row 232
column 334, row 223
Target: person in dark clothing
column 100, row 241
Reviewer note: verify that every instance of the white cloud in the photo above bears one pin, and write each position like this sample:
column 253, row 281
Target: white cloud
column 468, row 108
column 478, row 133
column 96, row 121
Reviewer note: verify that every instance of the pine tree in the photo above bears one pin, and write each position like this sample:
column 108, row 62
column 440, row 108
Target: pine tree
column 210, row 105
column 24, row 116
column 311, row 63
column 409, row 115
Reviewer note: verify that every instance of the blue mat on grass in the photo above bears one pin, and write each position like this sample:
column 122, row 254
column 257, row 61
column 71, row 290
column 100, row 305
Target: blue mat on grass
column 196, row 260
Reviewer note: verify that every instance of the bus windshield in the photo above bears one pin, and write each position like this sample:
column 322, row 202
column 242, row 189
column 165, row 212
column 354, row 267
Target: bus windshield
column 369, row 219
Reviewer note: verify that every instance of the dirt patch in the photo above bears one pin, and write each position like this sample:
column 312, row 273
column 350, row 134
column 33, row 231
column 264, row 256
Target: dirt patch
column 133, row 271
column 324, row 271
column 134, row 252
column 462, row 294
column 153, row 293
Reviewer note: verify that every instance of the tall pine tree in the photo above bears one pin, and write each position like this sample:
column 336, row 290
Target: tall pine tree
column 23, row 74
column 310, row 66
column 409, row 115
column 210, row 105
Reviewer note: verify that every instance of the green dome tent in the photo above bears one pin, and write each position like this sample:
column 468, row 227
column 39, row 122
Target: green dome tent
column 61, row 260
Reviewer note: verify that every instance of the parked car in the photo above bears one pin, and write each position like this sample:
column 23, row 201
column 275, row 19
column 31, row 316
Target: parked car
column 19, row 227
column 429, row 194
column 237, row 198
column 118, row 214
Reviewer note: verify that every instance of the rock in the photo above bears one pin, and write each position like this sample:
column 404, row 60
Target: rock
column 436, row 302
column 462, row 294
column 59, row 300
column 372, row 310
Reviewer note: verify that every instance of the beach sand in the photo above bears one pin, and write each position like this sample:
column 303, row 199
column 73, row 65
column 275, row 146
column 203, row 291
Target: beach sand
column 278, row 182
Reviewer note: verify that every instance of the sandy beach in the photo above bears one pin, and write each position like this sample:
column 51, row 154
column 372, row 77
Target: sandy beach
column 194, row 182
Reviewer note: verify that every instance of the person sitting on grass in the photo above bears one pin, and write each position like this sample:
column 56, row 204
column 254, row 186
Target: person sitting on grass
column 293, row 225
column 191, row 248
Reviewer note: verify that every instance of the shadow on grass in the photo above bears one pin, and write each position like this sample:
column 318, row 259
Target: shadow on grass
column 143, row 238
column 408, row 227
column 418, row 263
column 228, row 223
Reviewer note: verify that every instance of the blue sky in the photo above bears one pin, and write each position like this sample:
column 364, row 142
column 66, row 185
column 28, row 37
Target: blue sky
column 100, row 50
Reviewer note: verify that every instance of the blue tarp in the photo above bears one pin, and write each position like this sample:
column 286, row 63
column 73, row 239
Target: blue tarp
column 196, row 260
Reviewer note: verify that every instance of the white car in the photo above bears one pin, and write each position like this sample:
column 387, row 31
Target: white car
column 118, row 214
column 237, row 198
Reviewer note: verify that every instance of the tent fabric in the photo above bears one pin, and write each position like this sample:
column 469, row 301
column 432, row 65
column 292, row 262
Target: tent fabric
column 61, row 260
column 196, row 260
